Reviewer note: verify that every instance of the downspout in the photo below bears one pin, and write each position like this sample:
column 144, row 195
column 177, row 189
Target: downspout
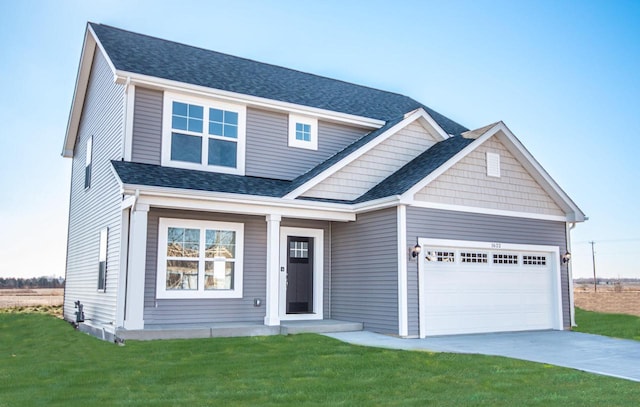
column 570, row 274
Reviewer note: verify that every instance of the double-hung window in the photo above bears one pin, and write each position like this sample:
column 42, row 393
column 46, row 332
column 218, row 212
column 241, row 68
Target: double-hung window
column 303, row 132
column 199, row 259
column 203, row 134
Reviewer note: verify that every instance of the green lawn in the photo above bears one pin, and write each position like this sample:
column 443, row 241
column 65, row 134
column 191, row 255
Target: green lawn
column 43, row 361
column 616, row 325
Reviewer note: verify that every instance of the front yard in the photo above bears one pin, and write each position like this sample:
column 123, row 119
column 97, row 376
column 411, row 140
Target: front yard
column 44, row 362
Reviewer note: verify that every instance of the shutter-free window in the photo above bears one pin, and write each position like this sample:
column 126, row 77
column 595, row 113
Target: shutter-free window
column 102, row 260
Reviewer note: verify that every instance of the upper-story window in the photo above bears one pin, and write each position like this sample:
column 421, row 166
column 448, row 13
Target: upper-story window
column 203, row 134
column 303, row 132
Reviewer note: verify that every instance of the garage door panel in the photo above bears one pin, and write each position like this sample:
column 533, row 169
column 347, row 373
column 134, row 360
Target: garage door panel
column 479, row 297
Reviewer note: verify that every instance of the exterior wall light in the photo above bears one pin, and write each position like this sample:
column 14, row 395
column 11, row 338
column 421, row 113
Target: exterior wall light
column 416, row 250
column 566, row 257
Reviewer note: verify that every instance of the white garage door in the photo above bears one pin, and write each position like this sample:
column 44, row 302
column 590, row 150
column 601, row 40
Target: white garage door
column 488, row 287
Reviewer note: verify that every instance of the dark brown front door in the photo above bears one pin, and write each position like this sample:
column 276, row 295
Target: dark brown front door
column 299, row 275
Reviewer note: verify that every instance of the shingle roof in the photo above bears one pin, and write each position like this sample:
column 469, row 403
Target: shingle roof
column 137, row 53
column 132, row 173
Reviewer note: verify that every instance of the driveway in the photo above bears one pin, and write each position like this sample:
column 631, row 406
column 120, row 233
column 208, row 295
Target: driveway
column 590, row 353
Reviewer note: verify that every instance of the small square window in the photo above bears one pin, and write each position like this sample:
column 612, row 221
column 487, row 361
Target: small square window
column 303, row 132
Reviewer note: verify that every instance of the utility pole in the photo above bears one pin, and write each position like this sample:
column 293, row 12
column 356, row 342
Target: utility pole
column 593, row 259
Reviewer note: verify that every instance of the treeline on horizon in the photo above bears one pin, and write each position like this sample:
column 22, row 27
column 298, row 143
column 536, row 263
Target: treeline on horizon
column 33, row 282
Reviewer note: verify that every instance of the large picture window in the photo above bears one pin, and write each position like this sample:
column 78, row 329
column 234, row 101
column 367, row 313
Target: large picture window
column 203, row 134
column 199, row 259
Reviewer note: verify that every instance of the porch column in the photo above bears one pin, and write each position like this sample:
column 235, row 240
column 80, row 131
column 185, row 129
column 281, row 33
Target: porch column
column 134, row 317
column 273, row 270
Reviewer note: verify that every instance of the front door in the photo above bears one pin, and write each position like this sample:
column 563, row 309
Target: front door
column 299, row 284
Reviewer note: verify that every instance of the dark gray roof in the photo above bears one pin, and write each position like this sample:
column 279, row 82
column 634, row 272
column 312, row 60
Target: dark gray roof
column 137, row 53
column 155, row 175
column 417, row 169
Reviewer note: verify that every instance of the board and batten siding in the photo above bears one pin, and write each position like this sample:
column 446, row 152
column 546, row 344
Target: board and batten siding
column 194, row 311
column 375, row 165
column 326, row 261
column 364, row 271
column 452, row 225
column 268, row 153
column 147, row 126
column 97, row 207
column 467, row 184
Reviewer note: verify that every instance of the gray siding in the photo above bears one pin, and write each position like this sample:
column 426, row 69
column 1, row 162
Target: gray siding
column 440, row 224
column 311, row 224
column 268, row 154
column 92, row 209
column 147, row 126
column 365, row 271
column 190, row 311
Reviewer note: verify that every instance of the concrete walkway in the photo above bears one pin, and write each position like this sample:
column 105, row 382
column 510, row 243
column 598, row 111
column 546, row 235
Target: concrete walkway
column 590, row 353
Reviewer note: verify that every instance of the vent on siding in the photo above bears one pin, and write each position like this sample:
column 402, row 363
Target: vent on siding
column 493, row 164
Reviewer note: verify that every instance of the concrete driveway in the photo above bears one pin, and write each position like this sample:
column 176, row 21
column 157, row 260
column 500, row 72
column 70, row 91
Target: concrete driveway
column 590, row 353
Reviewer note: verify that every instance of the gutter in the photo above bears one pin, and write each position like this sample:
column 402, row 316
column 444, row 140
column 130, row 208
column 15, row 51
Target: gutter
column 570, row 275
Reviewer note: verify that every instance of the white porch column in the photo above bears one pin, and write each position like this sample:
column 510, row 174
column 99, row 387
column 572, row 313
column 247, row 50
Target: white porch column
column 273, row 270
column 134, row 317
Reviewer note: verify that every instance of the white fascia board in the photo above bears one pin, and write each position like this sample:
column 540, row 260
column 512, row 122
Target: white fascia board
column 541, row 175
column 376, row 204
column 574, row 214
column 242, row 204
column 426, row 118
column 254, row 101
column 485, row 211
column 79, row 92
column 354, row 155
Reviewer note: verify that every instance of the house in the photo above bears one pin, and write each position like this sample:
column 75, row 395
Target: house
column 212, row 192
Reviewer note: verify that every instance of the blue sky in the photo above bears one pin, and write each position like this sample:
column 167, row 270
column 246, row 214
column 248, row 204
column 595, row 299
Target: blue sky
column 563, row 75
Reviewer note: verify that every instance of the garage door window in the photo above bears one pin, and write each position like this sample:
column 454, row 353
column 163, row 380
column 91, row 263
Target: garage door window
column 534, row 260
column 440, row 256
column 503, row 258
column 473, row 257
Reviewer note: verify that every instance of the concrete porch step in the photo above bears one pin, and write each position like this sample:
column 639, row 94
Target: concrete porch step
column 320, row 326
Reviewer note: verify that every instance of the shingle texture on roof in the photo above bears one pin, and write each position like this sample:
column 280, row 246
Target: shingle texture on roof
column 131, row 173
column 137, row 53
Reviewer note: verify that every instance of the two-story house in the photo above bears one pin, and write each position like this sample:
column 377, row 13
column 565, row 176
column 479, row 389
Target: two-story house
column 216, row 195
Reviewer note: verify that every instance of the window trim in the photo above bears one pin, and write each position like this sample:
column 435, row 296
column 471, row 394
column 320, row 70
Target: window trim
column 161, row 276
column 206, row 104
column 102, row 260
column 311, row 121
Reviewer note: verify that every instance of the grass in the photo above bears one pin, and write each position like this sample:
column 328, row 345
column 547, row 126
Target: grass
column 616, row 325
column 43, row 361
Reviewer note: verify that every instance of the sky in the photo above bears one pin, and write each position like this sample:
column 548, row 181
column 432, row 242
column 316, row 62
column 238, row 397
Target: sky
column 563, row 75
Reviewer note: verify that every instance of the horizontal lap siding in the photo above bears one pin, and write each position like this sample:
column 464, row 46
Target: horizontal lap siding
column 268, row 154
column 364, row 275
column 440, row 224
column 190, row 311
column 311, row 224
column 98, row 207
column 147, row 126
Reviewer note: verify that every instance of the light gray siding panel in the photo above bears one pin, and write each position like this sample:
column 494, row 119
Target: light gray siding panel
column 365, row 271
column 97, row 207
column 440, row 224
column 311, row 224
column 268, row 154
column 190, row 311
column 147, row 126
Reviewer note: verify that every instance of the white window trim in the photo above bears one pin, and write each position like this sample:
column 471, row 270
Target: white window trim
column 169, row 98
column 311, row 121
column 163, row 293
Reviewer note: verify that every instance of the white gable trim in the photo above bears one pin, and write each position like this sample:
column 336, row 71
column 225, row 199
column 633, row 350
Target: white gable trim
column 485, row 211
column 574, row 214
column 417, row 115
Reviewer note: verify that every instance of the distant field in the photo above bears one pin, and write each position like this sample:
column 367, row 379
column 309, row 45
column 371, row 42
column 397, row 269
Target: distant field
column 29, row 297
column 623, row 299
